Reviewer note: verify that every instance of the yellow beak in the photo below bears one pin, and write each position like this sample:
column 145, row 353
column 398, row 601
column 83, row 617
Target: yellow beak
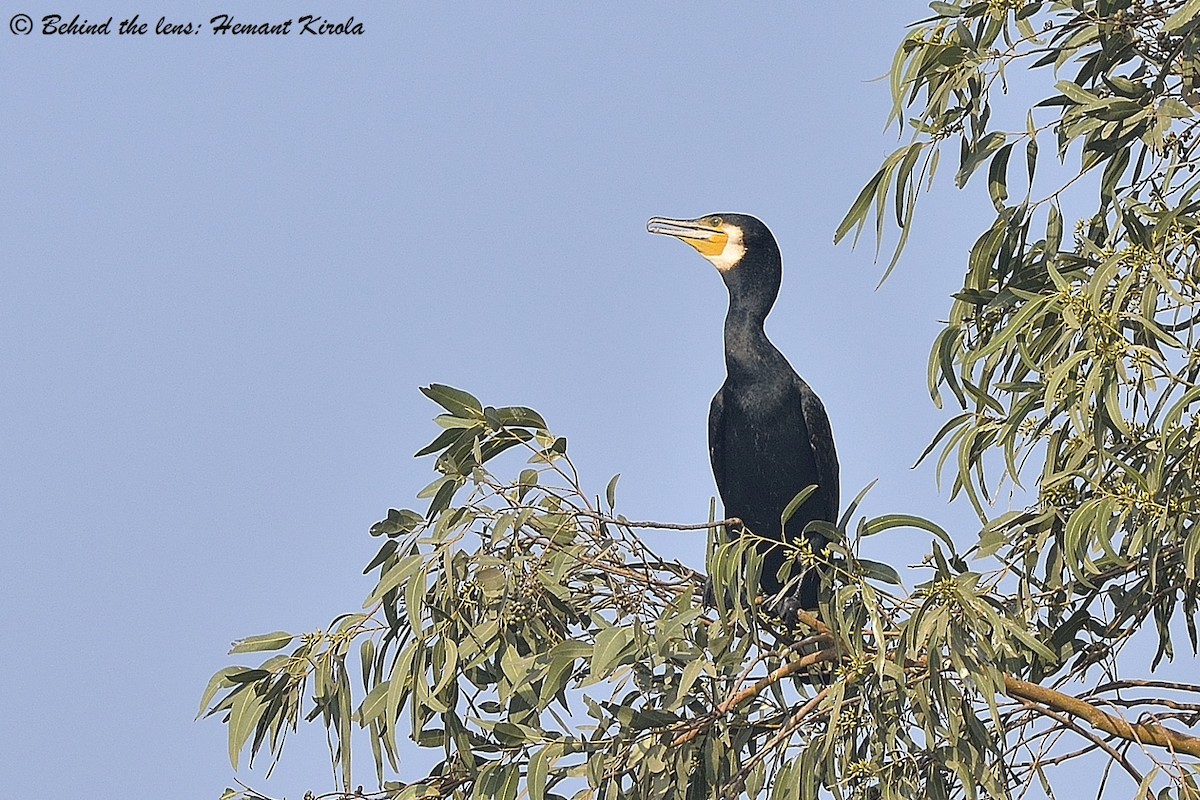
column 708, row 240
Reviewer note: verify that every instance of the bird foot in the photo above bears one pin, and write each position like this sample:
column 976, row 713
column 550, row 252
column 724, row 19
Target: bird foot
column 786, row 609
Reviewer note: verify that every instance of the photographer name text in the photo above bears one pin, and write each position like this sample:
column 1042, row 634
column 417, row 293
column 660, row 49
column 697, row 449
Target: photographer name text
column 219, row 25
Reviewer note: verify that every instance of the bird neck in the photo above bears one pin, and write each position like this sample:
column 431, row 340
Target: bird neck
column 747, row 348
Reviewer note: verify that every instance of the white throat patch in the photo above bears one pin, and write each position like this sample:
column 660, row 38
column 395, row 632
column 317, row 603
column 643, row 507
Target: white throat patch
column 732, row 253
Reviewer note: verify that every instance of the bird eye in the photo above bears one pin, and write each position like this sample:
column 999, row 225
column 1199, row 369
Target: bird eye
column 714, row 221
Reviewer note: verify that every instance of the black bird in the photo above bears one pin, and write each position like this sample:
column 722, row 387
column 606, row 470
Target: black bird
column 768, row 433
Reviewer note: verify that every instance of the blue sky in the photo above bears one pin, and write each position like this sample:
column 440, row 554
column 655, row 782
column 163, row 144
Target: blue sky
column 230, row 262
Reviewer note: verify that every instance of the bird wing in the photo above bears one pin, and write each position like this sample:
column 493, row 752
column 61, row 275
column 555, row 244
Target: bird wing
column 716, row 437
column 820, row 438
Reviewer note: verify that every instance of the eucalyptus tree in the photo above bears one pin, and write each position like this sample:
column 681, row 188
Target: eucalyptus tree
column 521, row 630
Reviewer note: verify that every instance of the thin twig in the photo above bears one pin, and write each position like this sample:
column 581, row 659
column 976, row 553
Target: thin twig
column 1067, row 722
column 666, row 526
column 730, row 703
column 1137, row 684
column 1154, row 701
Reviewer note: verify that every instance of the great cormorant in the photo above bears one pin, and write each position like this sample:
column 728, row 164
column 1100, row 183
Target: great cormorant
column 768, row 433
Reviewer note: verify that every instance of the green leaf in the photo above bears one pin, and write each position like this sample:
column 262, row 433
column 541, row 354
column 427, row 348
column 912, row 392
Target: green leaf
column 880, row 572
column 403, row 570
column 945, row 9
column 1076, row 92
column 414, row 598
column 539, row 767
column 218, row 681
column 520, row 417
column 610, row 646
column 844, row 521
column 790, row 510
column 1191, row 553
column 432, row 489
column 246, row 712
column 441, row 500
column 690, row 673
column 374, row 704
column 1054, row 229
column 977, row 155
column 511, row 734
column 652, row 718
column 1114, row 109
column 398, row 523
column 998, row 177
column 385, row 552
column 400, row 685
column 443, row 440
column 1174, row 414
column 249, row 675
column 1032, row 642
column 983, row 254
column 415, row 791
column 557, row 676
column 1175, row 109
column 266, row 641
column 447, row 668
column 366, row 658
column 856, row 217
column 1113, row 171
column 1031, row 152
column 1182, row 17
column 889, row 521
column 570, row 648
column 510, row 778
column 456, row 401
column 457, row 424
column 610, row 491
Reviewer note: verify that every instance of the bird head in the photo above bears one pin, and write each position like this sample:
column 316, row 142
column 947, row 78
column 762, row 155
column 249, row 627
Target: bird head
column 740, row 246
column 717, row 237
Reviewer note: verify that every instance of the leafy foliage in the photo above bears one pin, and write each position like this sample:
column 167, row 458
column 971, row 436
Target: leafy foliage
column 520, row 628
column 1079, row 353
column 1076, row 353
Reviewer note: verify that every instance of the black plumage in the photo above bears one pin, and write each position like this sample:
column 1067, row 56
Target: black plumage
column 768, row 434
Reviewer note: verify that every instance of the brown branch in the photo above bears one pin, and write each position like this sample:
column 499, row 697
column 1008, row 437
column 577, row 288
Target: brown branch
column 1137, row 684
column 1067, row 722
column 811, row 620
column 666, row 526
column 796, row 720
column 790, row 668
column 786, row 730
column 1149, row 733
column 1174, row 705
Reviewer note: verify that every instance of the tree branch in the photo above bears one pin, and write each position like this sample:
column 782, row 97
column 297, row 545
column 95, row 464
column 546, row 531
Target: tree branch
column 1067, row 722
column 1143, row 733
column 790, row 668
column 665, row 526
